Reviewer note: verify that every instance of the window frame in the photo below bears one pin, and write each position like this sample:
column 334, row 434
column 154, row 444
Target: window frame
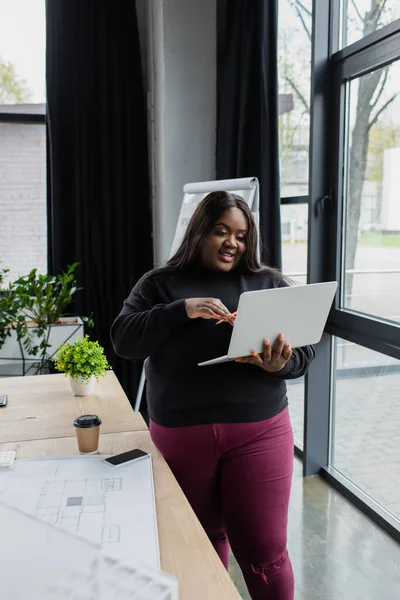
column 331, row 68
column 378, row 50
column 28, row 118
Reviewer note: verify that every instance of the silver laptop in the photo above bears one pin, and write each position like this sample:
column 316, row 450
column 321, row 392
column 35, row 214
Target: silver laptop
column 299, row 312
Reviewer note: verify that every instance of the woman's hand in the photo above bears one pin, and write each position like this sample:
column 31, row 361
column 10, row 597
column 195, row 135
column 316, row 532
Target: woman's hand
column 206, row 308
column 272, row 359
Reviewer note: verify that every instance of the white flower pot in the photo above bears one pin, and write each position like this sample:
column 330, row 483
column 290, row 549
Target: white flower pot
column 82, row 388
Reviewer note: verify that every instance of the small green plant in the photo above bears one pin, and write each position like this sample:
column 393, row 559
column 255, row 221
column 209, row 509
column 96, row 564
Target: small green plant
column 81, row 360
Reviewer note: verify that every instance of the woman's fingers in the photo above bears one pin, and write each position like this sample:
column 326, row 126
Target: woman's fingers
column 267, row 351
column 253, row 359
column 217, row 306
column 208, row 313
column 277, row 347
column 210, row 308
column 270, row 360
column 257, row 360
column 223, row 308
column 287, row 352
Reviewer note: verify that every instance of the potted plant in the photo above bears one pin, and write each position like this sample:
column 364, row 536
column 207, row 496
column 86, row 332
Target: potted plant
column 33, row 322
column 83, row 362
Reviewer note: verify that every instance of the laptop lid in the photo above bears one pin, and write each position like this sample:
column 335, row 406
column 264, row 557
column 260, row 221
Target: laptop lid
column 299, row 312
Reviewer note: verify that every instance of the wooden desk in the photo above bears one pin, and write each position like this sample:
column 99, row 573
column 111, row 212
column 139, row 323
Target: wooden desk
column 185, row 549
column 44, row 406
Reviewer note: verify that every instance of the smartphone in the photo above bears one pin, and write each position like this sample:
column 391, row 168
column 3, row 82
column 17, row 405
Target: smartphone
column 3, row 399
column 119, row 460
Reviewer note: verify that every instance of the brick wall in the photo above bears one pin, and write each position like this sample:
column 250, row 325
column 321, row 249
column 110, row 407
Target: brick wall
column 23, row 221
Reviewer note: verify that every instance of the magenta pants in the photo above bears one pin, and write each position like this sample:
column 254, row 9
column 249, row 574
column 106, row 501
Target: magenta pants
column 237, row 478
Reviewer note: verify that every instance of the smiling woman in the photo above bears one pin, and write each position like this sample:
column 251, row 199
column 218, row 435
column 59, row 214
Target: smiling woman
column 229, row 422
column 220, row 234
column 225, row 246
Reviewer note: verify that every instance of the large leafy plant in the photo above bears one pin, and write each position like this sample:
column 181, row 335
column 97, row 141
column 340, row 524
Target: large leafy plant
column 33, row 302
column 81, row 360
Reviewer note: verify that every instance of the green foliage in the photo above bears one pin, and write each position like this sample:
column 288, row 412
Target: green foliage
column 82, row 359
column 374, row 238
column 31, row 303
column 10, row 317
column 12, row 88
column 45, row 297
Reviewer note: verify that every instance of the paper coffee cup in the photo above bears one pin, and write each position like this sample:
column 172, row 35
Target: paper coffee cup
column 87, row 428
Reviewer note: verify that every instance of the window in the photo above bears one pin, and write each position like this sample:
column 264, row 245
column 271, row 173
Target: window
column 355, row 396
column 362, row 17
column 295, row 392
column 294, row 73
column 22, row 52
column 23, row 223
column 294, row 224
column 365, row 422
column 371, row 254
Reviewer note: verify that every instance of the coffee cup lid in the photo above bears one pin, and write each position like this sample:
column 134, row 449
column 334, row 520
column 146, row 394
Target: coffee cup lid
column 86, row 421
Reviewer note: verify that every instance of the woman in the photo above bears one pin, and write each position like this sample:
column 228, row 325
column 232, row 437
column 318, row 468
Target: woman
column 223, row 429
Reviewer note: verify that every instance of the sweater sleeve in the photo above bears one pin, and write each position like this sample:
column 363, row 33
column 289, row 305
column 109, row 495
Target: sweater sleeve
column 298, row 364
column 301, row 359
column 145, row 323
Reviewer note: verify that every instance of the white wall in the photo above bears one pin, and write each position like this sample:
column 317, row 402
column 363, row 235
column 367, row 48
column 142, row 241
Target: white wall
column 23, row 220
column 181, row 83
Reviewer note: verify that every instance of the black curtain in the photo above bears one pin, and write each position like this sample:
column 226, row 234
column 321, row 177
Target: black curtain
column 98, row 193
column 247, row 103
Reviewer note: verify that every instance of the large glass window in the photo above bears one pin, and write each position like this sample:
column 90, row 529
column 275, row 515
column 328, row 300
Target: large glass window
column 295, row 392
column 294, row 72
column 23, row 223
column 22, row 52
column 362, row 17
column 366, row 417
column 371, row 254
column 294, row 224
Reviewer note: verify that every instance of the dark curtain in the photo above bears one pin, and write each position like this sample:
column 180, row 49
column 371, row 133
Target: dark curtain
column 247, row 104
column 98, row 194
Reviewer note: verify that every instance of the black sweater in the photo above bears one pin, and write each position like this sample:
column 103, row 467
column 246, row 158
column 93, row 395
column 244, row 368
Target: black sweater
column 153, row 323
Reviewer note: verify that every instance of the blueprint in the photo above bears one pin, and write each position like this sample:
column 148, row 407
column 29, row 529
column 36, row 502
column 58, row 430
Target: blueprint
column 43, row 562
column 114, row 507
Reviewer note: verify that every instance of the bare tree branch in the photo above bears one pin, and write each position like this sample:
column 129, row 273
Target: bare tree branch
column 380, row 111
column 372, row 17
column 381, row 10
column 303, row 22
column 357, row 11
column 383, row 83
column 296, row 4
column 308, row 12
column 296, row 90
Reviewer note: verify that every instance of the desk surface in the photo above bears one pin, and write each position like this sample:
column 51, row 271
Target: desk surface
column 44, row 406
column 185, row 549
